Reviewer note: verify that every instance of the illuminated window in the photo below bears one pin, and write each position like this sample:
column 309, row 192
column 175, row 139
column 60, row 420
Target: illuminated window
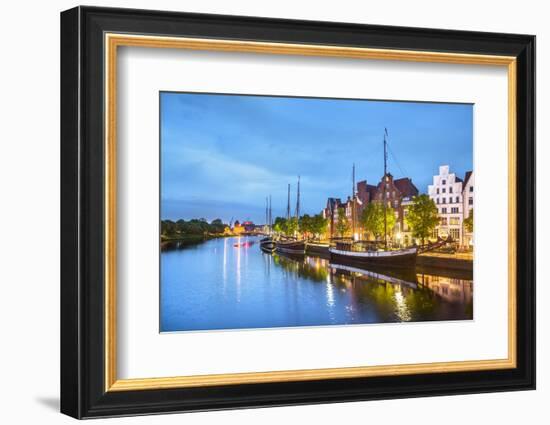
column 455, row 233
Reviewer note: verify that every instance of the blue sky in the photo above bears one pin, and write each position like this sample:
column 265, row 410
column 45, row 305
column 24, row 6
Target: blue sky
column 221, row 155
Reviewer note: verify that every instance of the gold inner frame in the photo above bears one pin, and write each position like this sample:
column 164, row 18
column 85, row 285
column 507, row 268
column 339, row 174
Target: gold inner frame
column 113, row 41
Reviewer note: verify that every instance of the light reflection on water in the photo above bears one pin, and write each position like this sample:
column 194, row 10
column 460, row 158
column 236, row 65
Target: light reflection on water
column 263, row 291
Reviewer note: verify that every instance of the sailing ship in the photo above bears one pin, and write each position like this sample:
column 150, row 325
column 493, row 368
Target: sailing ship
column 292, row 245
column 368, row 254
column 267, row 244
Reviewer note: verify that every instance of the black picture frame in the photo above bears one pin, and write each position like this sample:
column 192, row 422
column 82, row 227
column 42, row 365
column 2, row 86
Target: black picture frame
column 83, row 392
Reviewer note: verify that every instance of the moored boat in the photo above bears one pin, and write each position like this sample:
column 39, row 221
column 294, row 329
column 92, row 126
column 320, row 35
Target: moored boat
column 350, row 252
column 317, row 248
column 344, row 253
column 267, row 244
column 291, row 246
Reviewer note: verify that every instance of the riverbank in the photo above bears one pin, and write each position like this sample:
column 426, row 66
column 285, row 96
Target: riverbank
column 462, row 262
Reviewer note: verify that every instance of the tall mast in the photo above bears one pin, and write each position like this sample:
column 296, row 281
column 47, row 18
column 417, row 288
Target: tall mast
column 266, row 212
column 298, row 200
column 385, row 188
column 298, row 205
column 353, row 181
column 270, row 219
column 353, row 202
column 288, row 204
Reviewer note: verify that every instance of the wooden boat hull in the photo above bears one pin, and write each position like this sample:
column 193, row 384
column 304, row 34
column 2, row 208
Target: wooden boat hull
column 267, row 245
column 291, row 247
column 317, row 249
column 401, row 259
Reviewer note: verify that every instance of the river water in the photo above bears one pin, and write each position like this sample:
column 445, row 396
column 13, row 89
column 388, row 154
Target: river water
column 215, row 285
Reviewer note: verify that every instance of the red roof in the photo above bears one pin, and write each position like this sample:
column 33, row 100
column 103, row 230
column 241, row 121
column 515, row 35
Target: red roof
column 406, row 186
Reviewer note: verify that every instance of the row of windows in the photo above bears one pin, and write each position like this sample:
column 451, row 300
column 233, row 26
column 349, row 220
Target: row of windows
column 444, row 200
column 443, row 190
column 450, row 189
column 455, row 233
column 454, row 210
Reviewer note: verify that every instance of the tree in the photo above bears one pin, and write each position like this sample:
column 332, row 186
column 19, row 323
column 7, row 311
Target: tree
column 284, row 226
column 372, row 219
column 306, row 224
column 291, row 226
column 279, row 224
column 422, row 217
column 469, row 222
column 342, row 225
column 319, row 225
column 168, row 227
column 217, row 226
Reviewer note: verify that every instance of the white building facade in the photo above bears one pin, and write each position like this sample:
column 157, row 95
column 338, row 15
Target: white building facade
column 468, row 206
column 447, row 193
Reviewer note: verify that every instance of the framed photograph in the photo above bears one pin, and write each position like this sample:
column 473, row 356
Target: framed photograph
column 261, row 212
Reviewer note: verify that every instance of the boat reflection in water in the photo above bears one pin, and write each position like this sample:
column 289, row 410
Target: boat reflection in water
column 215, row 285
column 394, row 295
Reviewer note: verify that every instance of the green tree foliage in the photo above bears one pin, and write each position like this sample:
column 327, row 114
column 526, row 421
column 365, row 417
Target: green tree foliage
column 168, row 227
column 313, row 226
column 422, row 217
column 291, row 226
column 217, row 226
column 279, row 225
column 469, row 222
column 306, row 224
column 372, row 219
column 319, row 225
column 193, row 227
column 342, row 225
column 284, row 226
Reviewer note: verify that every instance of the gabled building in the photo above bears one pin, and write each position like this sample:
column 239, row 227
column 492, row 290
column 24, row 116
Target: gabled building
column 468, row 206
column 447, row 193
column 399, row 196
column 330, row 212
column 396, row 190
column 366, row 193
